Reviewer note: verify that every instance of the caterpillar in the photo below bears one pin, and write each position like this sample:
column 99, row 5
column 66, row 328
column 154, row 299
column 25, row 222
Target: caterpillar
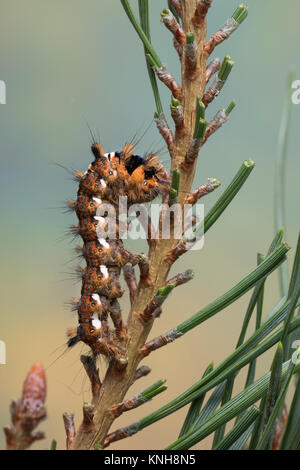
column 109, row 176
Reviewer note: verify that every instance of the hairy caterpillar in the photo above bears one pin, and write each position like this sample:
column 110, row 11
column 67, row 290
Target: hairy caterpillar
column 108, row 177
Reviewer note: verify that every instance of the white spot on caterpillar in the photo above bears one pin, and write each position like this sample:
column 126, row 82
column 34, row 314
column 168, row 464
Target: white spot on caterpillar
column 102, row 182
column 110, row 155
column 96, row 322
column 97, row 200
column 104, row 271
column 115, row 172
column 97, row 298
column 103, row 242
column 101, row 220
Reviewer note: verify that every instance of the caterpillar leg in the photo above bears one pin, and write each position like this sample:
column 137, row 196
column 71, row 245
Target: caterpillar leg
column 103, row 342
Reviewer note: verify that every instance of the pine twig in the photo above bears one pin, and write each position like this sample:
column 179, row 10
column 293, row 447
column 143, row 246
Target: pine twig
column 173, row 26
column 181, row 278
column 89, row 365
column 167, row 79
column 180, row 249
column 214, row 90
column 203, row 190
column 230, row 26
column 141, row 372
column 28, row 412
column 270, row 263
column 69, row 428
column 178, row 48
column 201, row 12
column 165, row 132
column 131, row 281
column 177, row 5
column 120, row 434
column 212, row 68
column 88, row 416
column 177, row 115
column 159, row 342
column 153, row 309
column 117, row 381
column 145, row 279
column 138, row 400
column 217, row 122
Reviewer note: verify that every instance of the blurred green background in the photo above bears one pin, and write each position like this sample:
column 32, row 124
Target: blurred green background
column 68, row 62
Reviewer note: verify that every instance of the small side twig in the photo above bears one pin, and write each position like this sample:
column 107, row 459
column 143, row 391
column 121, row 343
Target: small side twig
column 181, row 278
column 121, row 433
column 178, row 48
column 69, row 428
column 173, row 26
column 139, row 399
column 89, row 365
column 180, row 249
column 212, row 68
column 127, row 405
column 88, row 415
column 177, row 115
column 141, row 372
column 217, row 122
column 131, row 281
column 203, row 190
column 153, row 309
column 145, row 279
column 177, row 5
column 28, row 412
column 230, row 26
column 201, row 12
column 214, row 90
column 168, row 79
column 159, row 342
column 165, row 132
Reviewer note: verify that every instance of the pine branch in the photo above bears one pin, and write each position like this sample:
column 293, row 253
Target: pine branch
column 230, row 26
column 69, row 428
column 190, row 131
column 28, row 412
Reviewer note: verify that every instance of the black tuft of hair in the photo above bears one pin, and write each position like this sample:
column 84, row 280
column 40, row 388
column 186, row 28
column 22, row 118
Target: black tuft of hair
column 150, row 172
column 96, row 150
column 73, row 341
column 134, row 162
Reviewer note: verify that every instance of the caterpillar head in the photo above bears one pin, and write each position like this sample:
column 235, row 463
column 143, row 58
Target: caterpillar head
column 147, row 177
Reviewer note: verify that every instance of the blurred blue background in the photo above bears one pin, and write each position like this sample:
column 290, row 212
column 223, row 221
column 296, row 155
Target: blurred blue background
column 69, row 62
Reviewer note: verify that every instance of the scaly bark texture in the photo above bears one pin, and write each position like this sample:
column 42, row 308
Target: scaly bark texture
column 117, row 382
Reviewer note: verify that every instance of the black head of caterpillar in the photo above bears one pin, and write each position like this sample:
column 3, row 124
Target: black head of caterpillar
column 109, row 176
